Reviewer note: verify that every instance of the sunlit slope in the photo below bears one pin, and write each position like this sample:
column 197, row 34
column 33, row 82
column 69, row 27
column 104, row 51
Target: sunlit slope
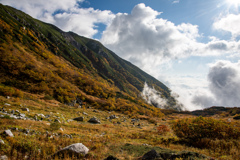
column 40, row 58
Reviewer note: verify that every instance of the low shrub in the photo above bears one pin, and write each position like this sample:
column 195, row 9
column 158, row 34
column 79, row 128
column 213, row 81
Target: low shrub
column 199, row 128
column 162, row 129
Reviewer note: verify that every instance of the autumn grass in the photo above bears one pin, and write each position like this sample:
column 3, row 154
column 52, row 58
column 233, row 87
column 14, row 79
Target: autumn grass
column 107, row 138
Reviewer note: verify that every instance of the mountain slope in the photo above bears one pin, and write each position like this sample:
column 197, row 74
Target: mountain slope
column 39, row 58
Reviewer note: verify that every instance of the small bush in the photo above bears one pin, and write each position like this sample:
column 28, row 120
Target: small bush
column 163, row 129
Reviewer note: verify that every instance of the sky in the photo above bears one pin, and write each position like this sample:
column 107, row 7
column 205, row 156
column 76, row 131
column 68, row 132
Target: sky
column 192, row 46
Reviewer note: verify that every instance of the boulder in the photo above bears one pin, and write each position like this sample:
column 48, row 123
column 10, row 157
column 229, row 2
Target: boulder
column 3, row 157
column 84, row 113
column 151, row 155
column 41, row 115
column 236, row 117
column 78, row 119
column 77, row 150
column 113, row 117
column 25, row 109
column 8, row 133
column 94, row 120
column 111, row 158
column 57, row 120
column 1, row 142
column 22, row 115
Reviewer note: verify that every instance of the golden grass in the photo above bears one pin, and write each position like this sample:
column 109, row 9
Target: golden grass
column 102, row 139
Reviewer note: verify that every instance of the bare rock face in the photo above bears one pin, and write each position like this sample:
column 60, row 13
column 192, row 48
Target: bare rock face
column 76, row 150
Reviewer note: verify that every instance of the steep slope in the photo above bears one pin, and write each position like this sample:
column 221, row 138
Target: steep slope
column 40, row 58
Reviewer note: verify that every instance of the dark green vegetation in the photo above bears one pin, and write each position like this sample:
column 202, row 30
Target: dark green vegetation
column 39, row 58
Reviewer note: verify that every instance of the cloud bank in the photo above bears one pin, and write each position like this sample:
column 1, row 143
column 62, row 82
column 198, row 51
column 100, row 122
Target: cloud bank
column 65, row 14
column 223, row 78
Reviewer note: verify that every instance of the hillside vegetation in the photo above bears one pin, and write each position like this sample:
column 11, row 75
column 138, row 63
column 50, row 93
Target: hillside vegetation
column 39, row 58
column 54, row 84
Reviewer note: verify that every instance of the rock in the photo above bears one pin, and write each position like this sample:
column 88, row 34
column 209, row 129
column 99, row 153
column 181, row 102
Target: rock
column 84, row 113
column 236, row 117
column 22, row 115
column 41, row 115
column 1, row 142
column 7, row 104
column 47, row 116
column 13, row 116
column 113, row 117
column 8, row 97
column 8, row 133
column 77, row 149
column 78, row 119
column 3, row 157
column 69, row 120
column 111, row 158
column 57, row 120
column 17, row 111
column 94, row 120
column 25, row 109
column 151, row 155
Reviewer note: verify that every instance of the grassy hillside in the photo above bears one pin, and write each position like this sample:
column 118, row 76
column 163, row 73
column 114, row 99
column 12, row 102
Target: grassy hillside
column 39, row 58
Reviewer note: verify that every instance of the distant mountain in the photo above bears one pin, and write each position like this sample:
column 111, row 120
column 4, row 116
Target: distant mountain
column 39, row 58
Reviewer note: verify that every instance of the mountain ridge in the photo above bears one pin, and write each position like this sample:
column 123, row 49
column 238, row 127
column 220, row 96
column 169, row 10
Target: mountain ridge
column 83, row 63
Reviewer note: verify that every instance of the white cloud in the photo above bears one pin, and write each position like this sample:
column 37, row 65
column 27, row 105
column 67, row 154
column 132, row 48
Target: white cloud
column 65, row 14
column 144, row 39
column 176, row 1
column 224, row 78
column 229, row 23
column 148, row 41
column 152, row 96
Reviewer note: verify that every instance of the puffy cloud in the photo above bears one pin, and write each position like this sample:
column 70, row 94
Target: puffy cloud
column 229, row 23
column 66, row 14
column 148, row 41
column 224, row 78
column 82, row 21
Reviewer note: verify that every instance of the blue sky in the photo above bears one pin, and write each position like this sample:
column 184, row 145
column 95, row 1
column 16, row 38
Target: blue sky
column 191, row 45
